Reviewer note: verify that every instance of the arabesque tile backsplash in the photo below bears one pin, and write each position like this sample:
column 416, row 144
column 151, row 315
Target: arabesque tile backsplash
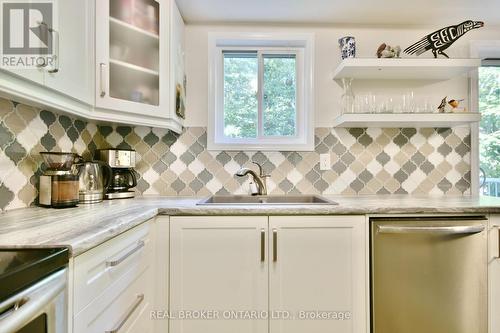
column 364, row 161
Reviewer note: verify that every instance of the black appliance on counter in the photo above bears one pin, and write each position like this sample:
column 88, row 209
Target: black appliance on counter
column 33, row 293
column 123, row 178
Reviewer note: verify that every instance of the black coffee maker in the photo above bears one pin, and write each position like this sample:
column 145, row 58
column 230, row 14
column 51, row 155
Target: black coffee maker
column 123, row 177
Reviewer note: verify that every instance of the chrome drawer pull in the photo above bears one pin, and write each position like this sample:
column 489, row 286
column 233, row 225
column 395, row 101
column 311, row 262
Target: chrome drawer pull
column 498, row 242
column 262, row 245
column 112, row 263
column 275, row 245
column 498, row 245
column 129, row 313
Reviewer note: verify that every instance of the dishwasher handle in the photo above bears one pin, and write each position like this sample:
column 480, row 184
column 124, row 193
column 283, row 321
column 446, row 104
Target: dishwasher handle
column 435, row 230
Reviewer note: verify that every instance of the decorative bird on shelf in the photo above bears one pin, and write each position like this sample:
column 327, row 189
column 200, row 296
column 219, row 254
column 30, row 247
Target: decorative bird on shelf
column 440, row 40
column 455, row 103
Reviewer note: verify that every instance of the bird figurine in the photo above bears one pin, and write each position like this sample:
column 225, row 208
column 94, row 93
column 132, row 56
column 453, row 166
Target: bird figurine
column 442, row 106
column 454, row 103
column 440, row 40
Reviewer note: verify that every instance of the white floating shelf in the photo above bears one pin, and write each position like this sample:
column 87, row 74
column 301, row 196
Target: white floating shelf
column 404, row 69
column 133, row 67
column 132, row 28
column 412, row 120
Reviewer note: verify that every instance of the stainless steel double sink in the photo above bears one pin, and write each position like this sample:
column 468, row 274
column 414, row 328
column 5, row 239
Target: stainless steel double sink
column 266, row 200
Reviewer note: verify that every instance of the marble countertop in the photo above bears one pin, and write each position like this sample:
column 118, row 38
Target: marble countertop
column 87, row 226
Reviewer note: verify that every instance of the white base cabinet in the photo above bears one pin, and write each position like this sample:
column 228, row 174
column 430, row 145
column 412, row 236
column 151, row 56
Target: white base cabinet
column 296, row 269
column 114, row 284
column 125, row 307
column 494, row 274
column 215, row 264
column 161, row 274
column 318, row 274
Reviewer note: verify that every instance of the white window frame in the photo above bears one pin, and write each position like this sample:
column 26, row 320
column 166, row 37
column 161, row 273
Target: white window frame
column 479, row 49
column 302, row 45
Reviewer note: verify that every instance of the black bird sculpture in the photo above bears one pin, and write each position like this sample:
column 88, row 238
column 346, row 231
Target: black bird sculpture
column 440, row 40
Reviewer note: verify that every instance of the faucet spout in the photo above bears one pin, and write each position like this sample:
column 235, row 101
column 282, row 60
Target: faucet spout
column 245, row 171
column 259, row 179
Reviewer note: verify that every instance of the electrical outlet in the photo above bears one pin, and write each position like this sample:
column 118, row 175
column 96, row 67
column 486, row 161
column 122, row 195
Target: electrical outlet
column 324, row 162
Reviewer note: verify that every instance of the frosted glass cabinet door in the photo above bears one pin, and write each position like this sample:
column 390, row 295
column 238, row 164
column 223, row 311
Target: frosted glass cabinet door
column 128, row 55
column 218, row 263
column 317, row 268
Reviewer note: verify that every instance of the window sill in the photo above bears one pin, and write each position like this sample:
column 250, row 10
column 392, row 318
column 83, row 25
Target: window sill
column 260, row 147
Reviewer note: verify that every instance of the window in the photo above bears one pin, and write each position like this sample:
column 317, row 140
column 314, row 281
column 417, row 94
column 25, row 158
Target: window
column 489, row 128
column 261, row 93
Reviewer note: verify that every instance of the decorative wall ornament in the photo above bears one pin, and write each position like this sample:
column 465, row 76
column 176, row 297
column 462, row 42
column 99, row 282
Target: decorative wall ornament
column 440, row 40
column 347, row 46
column 387, row 51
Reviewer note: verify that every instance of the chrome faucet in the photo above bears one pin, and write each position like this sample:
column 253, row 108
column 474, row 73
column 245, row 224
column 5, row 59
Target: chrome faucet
column 259, row 180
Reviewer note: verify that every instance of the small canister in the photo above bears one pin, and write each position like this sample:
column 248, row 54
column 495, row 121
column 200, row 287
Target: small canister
column 347, row 46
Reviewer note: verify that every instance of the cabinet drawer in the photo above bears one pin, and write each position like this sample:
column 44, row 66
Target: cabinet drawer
column 129, row 255
column 124, row 307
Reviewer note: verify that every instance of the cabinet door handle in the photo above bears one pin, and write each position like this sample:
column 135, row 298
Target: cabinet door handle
column 102, row 79
column 275, row 245
column 127, row 315
column 55, row 68
column 498, row 245
column 113, row 263
column 262, row 244
column 43, row 25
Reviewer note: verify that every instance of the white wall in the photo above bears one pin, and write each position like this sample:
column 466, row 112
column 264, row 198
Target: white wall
column 327, row 57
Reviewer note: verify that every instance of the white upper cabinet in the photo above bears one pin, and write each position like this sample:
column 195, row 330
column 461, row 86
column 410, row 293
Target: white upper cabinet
column 134, row 57
column 33, row 75
column 71, row 35
column 177, row 76
column 70, row 73
column 120, row 61
column 128, row 55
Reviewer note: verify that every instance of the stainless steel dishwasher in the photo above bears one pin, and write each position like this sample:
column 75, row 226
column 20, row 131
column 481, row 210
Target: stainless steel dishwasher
column 429, row 275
